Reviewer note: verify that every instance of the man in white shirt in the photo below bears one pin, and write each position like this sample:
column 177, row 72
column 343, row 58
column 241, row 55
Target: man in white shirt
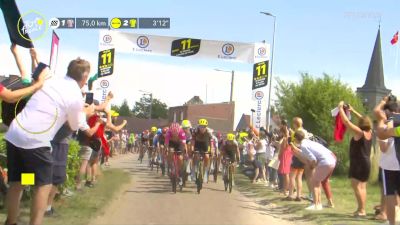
column 28, row 138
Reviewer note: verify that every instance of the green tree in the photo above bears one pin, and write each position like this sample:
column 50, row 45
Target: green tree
column 115, row 108
column 124, row 109
column 158, row 108
column 312, row 99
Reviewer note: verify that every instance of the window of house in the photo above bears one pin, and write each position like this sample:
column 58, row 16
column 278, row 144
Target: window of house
column 174, row 117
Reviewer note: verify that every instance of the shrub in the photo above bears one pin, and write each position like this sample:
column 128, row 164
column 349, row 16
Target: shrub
column 73, row 163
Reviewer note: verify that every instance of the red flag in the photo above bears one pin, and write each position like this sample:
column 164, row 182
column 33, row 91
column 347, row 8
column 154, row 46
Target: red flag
column 395, row 38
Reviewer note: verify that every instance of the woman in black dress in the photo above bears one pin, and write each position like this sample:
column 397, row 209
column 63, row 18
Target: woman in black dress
column 360, row 151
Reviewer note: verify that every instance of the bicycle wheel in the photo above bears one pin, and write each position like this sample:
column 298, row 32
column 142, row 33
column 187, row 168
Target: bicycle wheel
column 216, row 170
column 173, row 180
column 173, row 177
column 141, row 157
column 230, row 177
column 225, row 177
column 200, row 177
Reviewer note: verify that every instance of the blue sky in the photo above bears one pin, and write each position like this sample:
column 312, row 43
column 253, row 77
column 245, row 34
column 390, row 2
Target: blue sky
column 335, row 37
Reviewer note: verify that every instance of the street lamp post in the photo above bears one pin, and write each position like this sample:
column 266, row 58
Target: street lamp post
column 270, row 77
column 232, row 79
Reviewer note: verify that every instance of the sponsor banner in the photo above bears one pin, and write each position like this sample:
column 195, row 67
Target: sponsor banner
column 261, row 52
column 183, row 47
column 106, row 63
column 101, row 87
column 260, row 105
column 260, row 74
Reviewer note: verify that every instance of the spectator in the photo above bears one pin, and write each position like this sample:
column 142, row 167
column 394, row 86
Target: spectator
column 297, row 167
column 241, row 140
column 251, row 152
column 28, row 140
column 389, row 163
column 60, row 146
column 131, row 142
column 123, row 142
column 322, row 160
column 13, row 96
column 285, row 158
column 84, row 138
column 360, row 152
column 271, row 152
column 261, row 150
column 20, row 66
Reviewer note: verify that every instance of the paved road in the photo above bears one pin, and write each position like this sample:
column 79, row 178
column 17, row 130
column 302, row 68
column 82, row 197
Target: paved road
column 148, row 200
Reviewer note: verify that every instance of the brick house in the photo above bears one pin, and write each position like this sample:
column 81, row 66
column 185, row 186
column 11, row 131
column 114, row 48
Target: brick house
column 219, row 115
column 138, row 125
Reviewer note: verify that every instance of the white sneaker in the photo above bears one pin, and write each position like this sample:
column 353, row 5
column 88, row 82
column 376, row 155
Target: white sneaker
column 180, row 181
column 311, row 207
column 190, row 178
column 318, row 207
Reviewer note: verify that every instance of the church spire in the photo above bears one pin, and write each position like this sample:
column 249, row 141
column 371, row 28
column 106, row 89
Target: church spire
column 375, row 78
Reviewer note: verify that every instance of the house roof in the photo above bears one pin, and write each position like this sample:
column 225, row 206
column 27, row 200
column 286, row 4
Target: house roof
column 194, row 101
column 244, row 122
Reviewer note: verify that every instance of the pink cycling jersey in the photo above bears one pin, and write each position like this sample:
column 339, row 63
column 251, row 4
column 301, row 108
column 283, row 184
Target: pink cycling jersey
column 181, row 137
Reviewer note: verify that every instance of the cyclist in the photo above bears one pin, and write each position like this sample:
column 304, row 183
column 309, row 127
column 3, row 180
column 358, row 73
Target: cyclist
column 201, row 142
column 187, row 128
column 156, row 145
column 145, row 142
column 175, row 141
column 161, row 148
column 230, row 150
column 151, row 137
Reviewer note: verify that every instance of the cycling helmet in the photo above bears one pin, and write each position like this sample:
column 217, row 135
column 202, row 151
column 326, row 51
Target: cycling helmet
column 164, row 130
column 203, row 122
column 154, row 129
column 174, row 128
column 159, row 131
column 186, row 124
column 230, row 137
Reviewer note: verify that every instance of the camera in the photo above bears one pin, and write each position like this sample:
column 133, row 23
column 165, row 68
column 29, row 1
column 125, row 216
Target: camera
column 391, row 104
column 392, row 98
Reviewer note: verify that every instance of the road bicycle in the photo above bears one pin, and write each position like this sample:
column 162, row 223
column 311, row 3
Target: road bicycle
column 228, row 174
column 199, row 169
column 175, row 173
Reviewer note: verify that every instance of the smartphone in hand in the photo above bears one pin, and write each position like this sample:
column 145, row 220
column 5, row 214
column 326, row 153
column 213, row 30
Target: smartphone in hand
column 38, row 70
column 89, row 98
